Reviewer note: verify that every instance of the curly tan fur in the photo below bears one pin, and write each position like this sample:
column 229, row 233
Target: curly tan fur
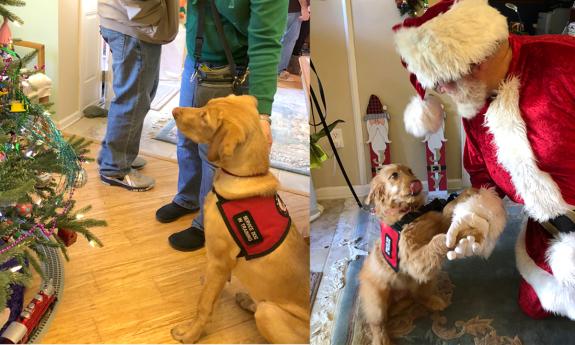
column 277, row 283
column 422, row 250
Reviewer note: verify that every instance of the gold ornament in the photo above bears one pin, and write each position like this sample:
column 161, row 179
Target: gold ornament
column 17, row 107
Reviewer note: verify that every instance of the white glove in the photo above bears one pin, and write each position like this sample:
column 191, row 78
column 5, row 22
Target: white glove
column 468, row 246
column 477, row 222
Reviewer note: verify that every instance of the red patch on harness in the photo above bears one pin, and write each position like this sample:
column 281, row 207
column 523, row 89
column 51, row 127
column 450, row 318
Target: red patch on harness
column 390, row 245
column 258, row 225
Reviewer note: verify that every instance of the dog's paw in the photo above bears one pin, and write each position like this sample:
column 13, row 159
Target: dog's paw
column 245, row 302
column 435, row 303
column 439, row 242
column 380, row 338
column 187, row 332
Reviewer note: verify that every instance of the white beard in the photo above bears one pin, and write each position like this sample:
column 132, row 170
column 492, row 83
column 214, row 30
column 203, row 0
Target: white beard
column 469, row 97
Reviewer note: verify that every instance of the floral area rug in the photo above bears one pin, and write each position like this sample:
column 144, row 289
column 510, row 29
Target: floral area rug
column 483, row 309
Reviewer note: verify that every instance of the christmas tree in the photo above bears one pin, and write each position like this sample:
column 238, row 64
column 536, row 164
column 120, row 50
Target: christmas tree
column 7, row 14
column 39, row 172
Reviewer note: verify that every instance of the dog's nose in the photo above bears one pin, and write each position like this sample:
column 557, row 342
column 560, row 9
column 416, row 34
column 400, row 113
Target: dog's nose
column 415, row 187
column 176, row 112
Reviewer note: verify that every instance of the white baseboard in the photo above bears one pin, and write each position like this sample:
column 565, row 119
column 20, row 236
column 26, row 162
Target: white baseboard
column 69, row 120
column 342, row 192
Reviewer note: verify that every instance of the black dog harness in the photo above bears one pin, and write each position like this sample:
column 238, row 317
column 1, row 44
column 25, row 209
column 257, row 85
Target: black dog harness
column 390, row 234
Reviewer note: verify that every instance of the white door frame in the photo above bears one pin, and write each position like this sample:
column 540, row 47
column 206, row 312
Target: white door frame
column 89, row 57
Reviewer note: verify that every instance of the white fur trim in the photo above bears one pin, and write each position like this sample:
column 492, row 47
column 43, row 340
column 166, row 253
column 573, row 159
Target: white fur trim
column 561, row 258
column 443, row 48
column 553, row 295
column 541, row 195
column 422, row 117
column 484, row 212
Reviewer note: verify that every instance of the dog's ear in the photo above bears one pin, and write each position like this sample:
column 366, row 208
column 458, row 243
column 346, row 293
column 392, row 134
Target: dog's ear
column 376, row 191
column 251, row 100
column 225, row 141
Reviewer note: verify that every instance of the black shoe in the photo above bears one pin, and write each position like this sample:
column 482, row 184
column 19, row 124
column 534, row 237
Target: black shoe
column 172, row 211
column 187, row 240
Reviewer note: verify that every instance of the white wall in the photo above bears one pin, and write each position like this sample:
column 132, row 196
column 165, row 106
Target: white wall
column 54, row 23
column 330, row 57
column 379, row 72
column 68, row 59
column 41, row 26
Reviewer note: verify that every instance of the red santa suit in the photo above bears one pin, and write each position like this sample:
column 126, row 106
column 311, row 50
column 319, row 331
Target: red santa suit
column 523, row 140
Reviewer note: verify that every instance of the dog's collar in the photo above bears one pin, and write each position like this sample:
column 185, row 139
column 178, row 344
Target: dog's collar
column 435, row 205
column 232, row 174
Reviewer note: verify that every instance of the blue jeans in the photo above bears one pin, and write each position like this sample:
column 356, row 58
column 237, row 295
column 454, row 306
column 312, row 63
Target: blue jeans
column 136, row 66
column 196, row 173
column 289, row 38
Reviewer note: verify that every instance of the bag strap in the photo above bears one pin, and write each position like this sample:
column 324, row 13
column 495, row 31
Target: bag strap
column 219, row 29
column 224, row 41
column 200, row 31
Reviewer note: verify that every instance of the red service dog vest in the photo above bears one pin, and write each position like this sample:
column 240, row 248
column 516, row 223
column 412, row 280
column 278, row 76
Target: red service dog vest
column 258, row 225
column 390, row 245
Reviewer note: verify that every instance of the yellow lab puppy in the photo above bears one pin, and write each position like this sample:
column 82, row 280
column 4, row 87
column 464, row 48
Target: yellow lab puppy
column 278, row 281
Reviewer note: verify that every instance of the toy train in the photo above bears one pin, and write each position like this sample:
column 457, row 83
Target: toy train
column 19, row 331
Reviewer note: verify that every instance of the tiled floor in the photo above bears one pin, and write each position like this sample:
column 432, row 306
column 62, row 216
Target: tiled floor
column 95, row 129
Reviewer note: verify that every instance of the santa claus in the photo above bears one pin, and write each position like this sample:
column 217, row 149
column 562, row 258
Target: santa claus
column 516, row 95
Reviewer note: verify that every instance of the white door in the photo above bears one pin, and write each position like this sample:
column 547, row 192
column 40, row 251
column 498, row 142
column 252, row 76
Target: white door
column 90, row 45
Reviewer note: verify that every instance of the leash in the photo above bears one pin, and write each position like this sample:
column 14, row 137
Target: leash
column 328, row 134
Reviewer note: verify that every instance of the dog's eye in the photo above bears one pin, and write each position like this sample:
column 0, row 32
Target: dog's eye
column 394, row 176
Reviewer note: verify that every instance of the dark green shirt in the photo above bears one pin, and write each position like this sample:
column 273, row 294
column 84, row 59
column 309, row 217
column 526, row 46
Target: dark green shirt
column 253, row 29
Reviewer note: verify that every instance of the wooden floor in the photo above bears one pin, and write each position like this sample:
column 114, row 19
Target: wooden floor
column 136, row 288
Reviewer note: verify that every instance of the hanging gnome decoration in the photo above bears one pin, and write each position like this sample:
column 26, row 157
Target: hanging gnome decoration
column 377, row 121
column 5, row 34
column 435, row 154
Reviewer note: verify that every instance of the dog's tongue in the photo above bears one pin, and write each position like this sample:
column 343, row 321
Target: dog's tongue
column 415, row 187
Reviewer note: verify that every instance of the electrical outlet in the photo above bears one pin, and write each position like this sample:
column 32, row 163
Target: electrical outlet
column 337, row 136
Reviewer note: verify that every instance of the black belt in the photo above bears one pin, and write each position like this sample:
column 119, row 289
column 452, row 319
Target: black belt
column 564, row 223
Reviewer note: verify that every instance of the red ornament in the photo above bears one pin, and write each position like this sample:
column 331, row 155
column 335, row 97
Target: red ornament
column 24, row 209
column 5, row 33
column 67, row 236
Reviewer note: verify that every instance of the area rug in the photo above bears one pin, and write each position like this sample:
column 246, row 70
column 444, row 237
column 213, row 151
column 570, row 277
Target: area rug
column 164, row 94
column 483, row 308
column 290, row 130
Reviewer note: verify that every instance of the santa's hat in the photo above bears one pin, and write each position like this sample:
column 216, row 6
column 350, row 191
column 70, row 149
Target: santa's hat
column 440, row 46
column 376, row 110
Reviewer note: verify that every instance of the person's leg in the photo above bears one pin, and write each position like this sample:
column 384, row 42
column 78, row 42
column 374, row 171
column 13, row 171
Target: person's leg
column 136, row 70
column 288, row 40
column 193, row 238
column 189, row 163
column 303, row 34
column 208, row 170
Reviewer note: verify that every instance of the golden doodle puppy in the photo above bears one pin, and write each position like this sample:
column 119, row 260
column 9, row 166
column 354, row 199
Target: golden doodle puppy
column 247, row 227
column 413, row 243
